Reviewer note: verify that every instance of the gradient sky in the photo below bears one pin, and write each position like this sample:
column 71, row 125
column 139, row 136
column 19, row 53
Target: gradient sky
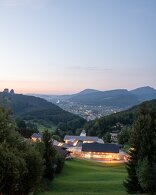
column 64, row 46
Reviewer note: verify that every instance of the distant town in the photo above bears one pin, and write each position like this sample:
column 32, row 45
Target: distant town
column 91, row 104
column 88, row 112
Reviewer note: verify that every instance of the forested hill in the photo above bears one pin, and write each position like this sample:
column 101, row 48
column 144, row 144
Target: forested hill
column 118, row 98
column 115, row 121
column 41, row 111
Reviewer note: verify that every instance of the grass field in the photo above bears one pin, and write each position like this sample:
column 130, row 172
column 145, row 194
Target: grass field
column 82, row 177
column 42, row 128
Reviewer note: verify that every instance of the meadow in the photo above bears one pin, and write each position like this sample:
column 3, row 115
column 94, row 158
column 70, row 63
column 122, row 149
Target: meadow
column 82, row 177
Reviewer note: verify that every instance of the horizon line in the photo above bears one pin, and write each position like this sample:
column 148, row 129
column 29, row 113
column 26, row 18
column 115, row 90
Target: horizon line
column 72, row 92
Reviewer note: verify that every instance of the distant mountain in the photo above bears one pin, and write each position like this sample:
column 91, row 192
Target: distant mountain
column 117, row 98
column 87, row 91
column 120, row 98
column 55, row 98
column 41, row 111
column 144, row 93
column 115, row 121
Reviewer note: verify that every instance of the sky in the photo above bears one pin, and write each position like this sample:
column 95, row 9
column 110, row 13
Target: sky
column 65, row 46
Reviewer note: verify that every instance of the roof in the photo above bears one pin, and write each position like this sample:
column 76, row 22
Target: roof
column 37, row 135
column 100, row 141
column 98, row 147
column 55, row 142
column 81, row 138
column 61, row 151
column 66, row 146
column 79, row 144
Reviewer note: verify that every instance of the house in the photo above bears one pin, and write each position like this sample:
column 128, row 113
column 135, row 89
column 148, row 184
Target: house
column 36, row 137
column 102, row 152
column 93, row 148
column 57, row 143
column 77, row 141
column 62, row 151
column 74, row 143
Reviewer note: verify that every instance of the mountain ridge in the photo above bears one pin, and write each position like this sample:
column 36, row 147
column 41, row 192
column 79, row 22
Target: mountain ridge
column 144, row 93
column 120, row 98
column 36, row 109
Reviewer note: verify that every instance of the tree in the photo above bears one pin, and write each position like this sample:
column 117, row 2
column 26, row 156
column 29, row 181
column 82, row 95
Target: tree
column 34, row 168
column 56, row 137
column 20, row 164
column 49, row 155
column 147, row 176
column 107, row 137
column 142, row 163
column 12, row 166
column 124, row 135
column 26, row 129
column 60, row 163
column 131, row 183
column 146, row 168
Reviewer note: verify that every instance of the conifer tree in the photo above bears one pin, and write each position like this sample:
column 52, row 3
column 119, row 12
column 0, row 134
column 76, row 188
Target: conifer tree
column 146, row 169
column 141, row 166
column 131, row 183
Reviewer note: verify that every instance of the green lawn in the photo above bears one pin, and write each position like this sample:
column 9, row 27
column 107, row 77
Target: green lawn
column 42, row 128
column 82, row 177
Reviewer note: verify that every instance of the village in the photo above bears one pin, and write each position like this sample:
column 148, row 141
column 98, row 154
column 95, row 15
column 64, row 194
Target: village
column 88, row 147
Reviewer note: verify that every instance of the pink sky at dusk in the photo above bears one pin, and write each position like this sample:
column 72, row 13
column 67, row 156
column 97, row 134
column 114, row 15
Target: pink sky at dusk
column 63, row 47
column 25, row 87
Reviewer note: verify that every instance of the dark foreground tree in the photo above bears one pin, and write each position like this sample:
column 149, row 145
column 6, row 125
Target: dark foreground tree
column 132, row 184
column 60, row 163
column 147, row 176
column 141, row 166
column 49, row 155
column 124, row 135
column 20, row 164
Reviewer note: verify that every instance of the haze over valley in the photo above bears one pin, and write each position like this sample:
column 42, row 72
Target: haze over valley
column 91, row 104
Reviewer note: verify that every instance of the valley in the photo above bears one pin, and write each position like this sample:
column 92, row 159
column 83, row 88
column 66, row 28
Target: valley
column 92, row 104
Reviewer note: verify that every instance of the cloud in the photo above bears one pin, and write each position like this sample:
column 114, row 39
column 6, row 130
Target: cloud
column 90, row 68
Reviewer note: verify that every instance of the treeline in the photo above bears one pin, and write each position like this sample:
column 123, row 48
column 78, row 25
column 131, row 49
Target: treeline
column 26, row 129
column 115, row 122
column 25, row 165
column 60, row 118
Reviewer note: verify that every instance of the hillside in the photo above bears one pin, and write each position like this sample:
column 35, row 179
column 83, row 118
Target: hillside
column 55, row 98
column 41, row 111
column 109, row 123
column 144, row 93
column 87, row 91
column 118, row 98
